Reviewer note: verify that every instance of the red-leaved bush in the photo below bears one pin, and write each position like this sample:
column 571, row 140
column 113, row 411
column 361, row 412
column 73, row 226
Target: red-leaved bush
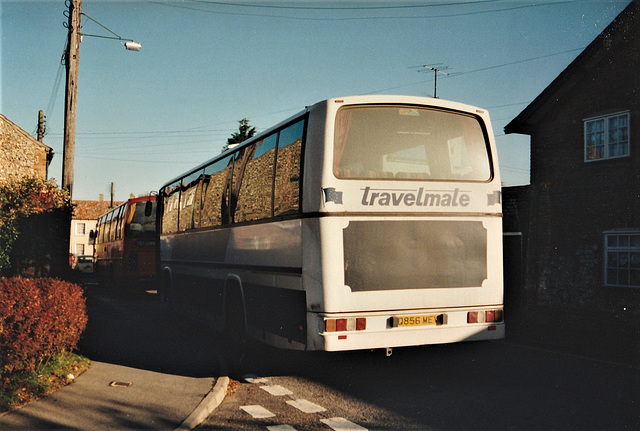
column 39, row 318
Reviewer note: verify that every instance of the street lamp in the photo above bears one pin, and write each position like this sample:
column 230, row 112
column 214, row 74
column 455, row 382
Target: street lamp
column 132, row 46
column 72, row 57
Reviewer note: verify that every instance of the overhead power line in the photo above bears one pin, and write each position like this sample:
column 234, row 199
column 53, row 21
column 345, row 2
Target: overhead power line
column 267, row 7
column 299, row 7
column 482, row 69
column 519, row 61
column 56, row 85
column 129, row 160
column 213, row 133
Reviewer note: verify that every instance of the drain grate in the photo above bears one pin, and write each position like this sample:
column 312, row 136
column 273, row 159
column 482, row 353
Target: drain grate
column 116, row 384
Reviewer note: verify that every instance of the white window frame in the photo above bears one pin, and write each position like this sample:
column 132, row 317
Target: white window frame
column 83, row 230
column 608, row 133
column 622, row 258
column 80, row 249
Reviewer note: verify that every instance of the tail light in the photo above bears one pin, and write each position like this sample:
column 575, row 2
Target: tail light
column 345, row 324
column 488, row 316
column 341, row 325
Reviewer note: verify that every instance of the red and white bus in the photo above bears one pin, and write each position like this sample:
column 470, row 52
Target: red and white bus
column 125, row 242
column 361, row 222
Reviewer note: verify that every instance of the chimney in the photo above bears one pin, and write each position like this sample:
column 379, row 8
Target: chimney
column 101, row 197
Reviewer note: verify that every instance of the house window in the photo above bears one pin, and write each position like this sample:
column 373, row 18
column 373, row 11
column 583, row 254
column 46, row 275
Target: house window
column 80, row 228
column 622, row 259
column 606, row 137
column 79, row 249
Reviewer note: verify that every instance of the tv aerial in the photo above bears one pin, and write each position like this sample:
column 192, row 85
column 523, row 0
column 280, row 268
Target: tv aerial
column 437, row 69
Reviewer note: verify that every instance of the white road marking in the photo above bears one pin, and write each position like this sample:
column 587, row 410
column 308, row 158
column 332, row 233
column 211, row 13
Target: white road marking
column 341, row 424
column 276, row 390
column 256, row 380
column 281, row 428
column 257, row 412
column 306, row 406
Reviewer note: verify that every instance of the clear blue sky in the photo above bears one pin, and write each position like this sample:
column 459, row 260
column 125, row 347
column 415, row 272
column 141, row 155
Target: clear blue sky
column 145, row 117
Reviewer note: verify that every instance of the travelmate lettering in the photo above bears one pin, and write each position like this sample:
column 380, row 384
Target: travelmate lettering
column 442, row 198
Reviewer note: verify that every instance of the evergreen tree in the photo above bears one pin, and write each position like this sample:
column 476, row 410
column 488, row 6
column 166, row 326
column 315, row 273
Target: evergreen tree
column 245, row 131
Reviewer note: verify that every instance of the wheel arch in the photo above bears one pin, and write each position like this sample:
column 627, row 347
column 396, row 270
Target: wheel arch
column 234, row 296
column 166, row 283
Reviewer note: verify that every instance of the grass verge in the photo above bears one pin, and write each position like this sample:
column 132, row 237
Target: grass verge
column 20, row 388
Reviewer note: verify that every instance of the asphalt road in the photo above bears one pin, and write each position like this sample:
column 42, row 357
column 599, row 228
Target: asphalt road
column 135, row 329
column 479, row 386
column 483, row 385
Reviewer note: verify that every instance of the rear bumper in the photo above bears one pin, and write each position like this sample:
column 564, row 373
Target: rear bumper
column 380, row 334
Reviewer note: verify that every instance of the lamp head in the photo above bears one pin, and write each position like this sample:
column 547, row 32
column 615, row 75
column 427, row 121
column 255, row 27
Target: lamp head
column 132, row 46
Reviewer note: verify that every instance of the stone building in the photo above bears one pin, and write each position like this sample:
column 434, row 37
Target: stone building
column 21, row 155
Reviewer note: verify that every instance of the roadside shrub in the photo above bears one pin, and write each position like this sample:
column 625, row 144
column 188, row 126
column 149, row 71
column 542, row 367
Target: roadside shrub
column 39, row 319
column 21, row 200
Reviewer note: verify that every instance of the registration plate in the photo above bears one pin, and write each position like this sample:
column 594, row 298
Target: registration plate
column 423, row 320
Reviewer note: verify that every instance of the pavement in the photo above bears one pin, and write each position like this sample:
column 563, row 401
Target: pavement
column 149, row 370
column 115, row 397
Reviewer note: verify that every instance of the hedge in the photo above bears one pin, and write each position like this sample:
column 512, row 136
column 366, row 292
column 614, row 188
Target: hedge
column 21, row 201
column 39, row 319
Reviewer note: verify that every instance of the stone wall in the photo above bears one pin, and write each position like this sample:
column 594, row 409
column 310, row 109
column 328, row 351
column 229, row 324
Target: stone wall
column 21, row 155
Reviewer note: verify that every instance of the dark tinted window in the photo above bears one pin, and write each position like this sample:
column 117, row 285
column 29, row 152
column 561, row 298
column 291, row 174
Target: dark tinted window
column 216, row 189
column 189, row 189
column 287, row 180
column 255, row 192
column 100, row 230
column 171, row 198
column 255, row 182
column 118, row 220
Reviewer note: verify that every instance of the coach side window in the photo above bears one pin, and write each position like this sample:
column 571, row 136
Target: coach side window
column 189, row 188
column 218, row 179
column 287, row 179
column 120, row 217
column 256, row 189
column 198, row 200
column 100, row 230
column 170, row 197
column 114, row 224
column 240, row 160
column 107, row 225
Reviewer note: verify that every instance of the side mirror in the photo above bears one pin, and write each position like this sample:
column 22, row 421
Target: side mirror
column 148, row 208
column 92, row 237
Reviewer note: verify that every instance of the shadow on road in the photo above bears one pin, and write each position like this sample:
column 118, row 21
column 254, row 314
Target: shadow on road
column 135, row 328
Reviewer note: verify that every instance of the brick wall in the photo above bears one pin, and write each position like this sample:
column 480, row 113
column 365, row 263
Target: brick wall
column 571, row 203
column 21, row 155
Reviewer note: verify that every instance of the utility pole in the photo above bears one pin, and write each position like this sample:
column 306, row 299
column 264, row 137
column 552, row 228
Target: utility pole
column 72, row 58
column 41, row 127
